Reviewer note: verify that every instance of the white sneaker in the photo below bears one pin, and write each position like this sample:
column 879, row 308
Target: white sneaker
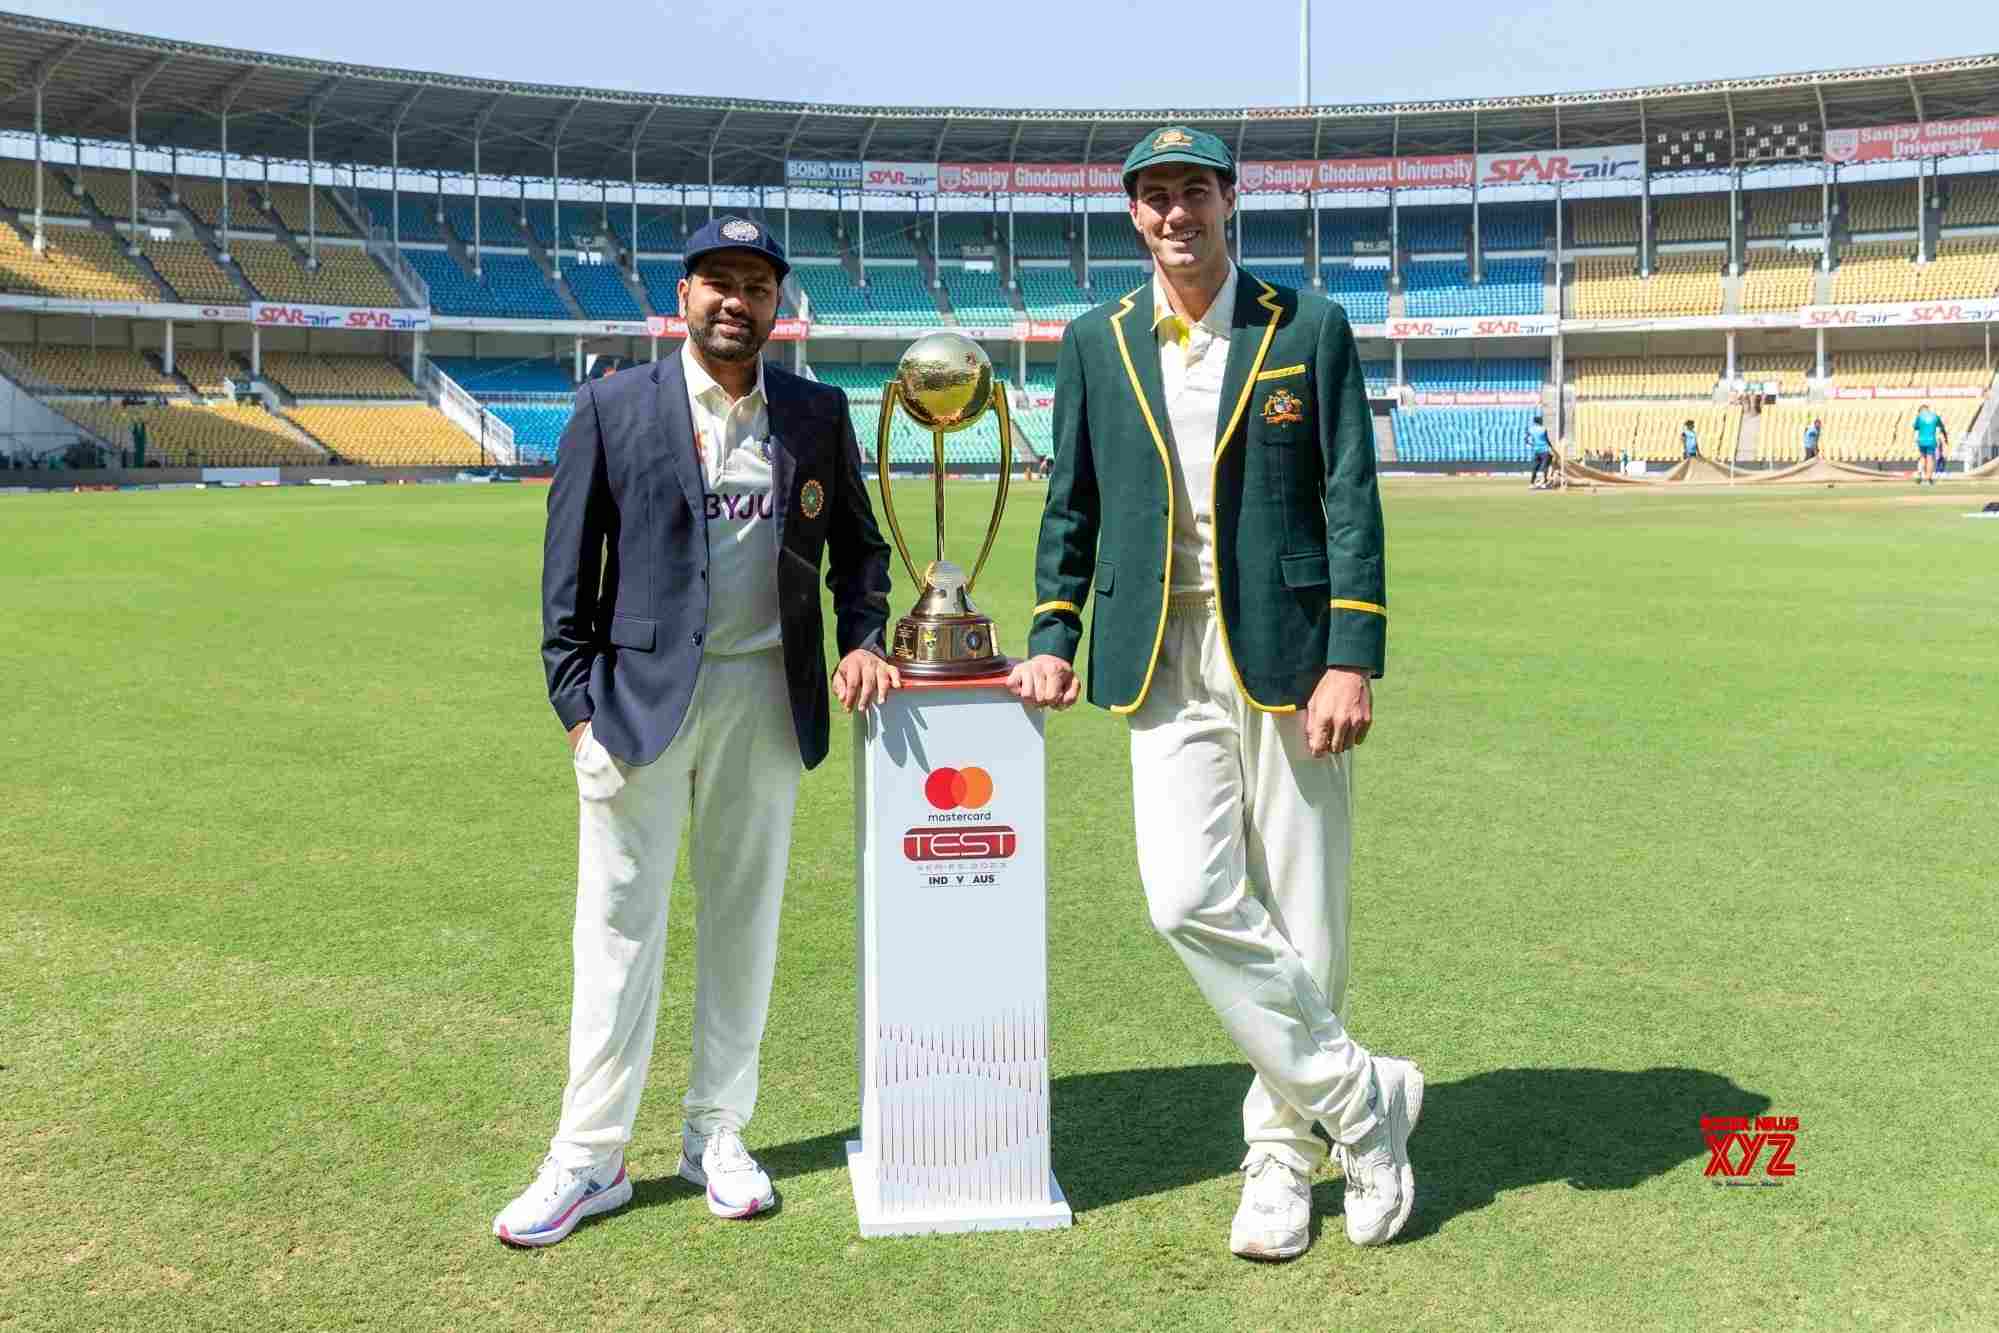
column 736, row 1185
column 560, row 1198
column 1381, row 1185
column 1275, row 1218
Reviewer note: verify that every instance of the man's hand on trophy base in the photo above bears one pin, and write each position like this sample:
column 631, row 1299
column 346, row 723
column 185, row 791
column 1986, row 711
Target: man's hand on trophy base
column 1340, row 711
column 864, row 678
column 1045, row 681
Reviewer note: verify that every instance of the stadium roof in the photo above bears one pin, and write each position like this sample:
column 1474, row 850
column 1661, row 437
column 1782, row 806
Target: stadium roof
column 89, row 77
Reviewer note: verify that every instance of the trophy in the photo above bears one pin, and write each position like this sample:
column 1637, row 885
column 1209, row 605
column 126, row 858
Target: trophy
column 945, row 382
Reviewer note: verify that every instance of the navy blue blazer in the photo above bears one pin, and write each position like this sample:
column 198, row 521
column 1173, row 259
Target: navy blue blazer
column 624, row 577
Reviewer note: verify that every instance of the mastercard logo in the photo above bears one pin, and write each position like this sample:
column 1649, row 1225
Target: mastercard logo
column 959, row 788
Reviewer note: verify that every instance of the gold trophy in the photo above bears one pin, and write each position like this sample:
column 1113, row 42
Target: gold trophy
column 945, row 382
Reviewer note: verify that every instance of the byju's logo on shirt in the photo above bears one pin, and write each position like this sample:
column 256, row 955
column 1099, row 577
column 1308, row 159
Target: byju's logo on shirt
column 740, row 507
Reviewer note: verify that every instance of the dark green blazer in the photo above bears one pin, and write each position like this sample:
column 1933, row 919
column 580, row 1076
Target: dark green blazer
column 1298, row 559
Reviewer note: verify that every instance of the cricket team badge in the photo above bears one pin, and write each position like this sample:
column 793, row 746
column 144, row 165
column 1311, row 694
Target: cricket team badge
column 811, row 499
column 1171, row 139
column 739, row 230
column 1282, row 408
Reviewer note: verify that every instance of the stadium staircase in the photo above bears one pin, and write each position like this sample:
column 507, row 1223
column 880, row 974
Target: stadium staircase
column 1747, row 434
column 102, row 221
column 158, row 362
column 627, row 261
column 210, row 242
column 1384, row 438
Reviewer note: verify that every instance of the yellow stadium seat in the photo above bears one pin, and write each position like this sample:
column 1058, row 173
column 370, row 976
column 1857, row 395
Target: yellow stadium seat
column 1778, row 279
column 1772, row 212
column 103, row 369
column 203, row 198
column 1646, row 377
column 390, row 436
column 111, row 189
column 1789, row 369
column 1971, row 201
column 78, row 264
column 1854, row 432
column 1875, row 272
column 1652, row 431
column 1604, row 222
column 310, row 375
column 289, row 202
column 1608, row 287
column 1880, row 206
column 346, row 277
column 1690, row 217
column 189, row 271
column 187, row 434
column 17, row 191
column 206, row 369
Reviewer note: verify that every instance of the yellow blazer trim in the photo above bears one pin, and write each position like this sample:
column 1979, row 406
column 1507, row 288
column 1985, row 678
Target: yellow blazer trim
column 1268, row 301
column 1282, row 373
column 1345, row 604
column 1165, row 462
column 1046, row 607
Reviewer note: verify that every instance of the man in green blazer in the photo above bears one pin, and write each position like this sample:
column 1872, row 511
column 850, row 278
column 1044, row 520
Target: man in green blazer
column 1214, row 486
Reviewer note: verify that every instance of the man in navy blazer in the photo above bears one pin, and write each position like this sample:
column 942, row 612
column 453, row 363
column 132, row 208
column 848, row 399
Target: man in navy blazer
column 685, row 653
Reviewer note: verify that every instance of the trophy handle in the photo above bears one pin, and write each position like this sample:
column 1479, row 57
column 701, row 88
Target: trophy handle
column 1005, row 476
column 891, row 399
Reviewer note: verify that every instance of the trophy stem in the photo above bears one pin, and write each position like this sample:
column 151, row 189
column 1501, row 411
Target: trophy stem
column 937, row 481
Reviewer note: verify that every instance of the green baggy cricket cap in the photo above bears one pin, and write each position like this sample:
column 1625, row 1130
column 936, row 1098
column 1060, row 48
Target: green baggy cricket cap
column 1179, row 143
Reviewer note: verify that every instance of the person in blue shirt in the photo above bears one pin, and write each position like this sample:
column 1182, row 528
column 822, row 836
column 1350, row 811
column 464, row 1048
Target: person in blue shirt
column 1812, row 440
column 1544, row 453
column 1929, row 426
column 1689, row 441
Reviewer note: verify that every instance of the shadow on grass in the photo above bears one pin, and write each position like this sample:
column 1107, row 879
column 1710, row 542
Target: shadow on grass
column 1131, row 1133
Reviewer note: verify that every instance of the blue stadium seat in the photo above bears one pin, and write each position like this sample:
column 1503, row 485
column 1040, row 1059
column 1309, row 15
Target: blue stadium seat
column 452, row 290
column 1515, row 226
column 1039, row 235
column 1340, row 228
column 662, row 279
column 520, row 290
column 481, row 375
column 1362, row 291
column 957, row 231
column 1464, row 375
column 496, row 226
column 814, row 232
column 1380, row 376
column 418, row 213
column 977, row 298
column 600, row 290
column 537, row 427
column 1284, row 275
column 659, row 228
column 1490, row 435
column 1280, row 232
column 1112, row 237
column 892, row 235
column 1434, row 230
column 1443, row 287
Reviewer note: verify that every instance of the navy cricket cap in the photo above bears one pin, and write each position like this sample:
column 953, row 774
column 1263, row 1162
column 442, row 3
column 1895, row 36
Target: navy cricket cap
column 730, row 232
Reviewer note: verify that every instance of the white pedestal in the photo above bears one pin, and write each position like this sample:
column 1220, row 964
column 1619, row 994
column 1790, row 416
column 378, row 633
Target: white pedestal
column 950, row 838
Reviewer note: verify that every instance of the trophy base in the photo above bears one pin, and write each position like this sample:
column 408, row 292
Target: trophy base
column 946, row 648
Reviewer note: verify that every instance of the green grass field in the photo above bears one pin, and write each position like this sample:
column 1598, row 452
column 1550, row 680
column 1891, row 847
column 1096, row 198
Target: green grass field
column 1675, row 805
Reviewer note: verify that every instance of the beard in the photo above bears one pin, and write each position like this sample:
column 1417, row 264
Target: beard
column 725, row 346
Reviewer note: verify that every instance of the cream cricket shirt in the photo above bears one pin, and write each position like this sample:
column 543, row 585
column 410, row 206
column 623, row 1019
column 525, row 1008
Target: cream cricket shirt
column 1192, row 360
column 734, row 435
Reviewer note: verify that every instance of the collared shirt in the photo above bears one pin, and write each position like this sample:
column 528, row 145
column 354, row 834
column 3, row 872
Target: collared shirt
column 1192, row 360
column 1926, row 428
column 734, row 438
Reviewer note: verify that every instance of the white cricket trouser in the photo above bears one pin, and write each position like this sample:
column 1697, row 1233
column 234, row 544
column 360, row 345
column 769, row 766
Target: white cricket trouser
column 734, row 768
column 1244, row 841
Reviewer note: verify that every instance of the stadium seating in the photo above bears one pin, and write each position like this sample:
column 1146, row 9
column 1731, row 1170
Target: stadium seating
column 1778, row 279
column 288, row 201
column 1283, row 275
column 899, row 294
column 496, row 223
column 481, row 376
column 106, row 369
column 1341, row 228
column 1773, row 212
column 17, row 190
column 453, row 291
column 205, row 369
column 659, row 229
column 1040, row 378
column 1646, row 376
column 110, row 188
column 1971, row 201
column 957, row 231
column 1608, row 287
column 314, row 375
column 662, row 279
column 1039, row 235
column 1444, row 287
column 911, row 446
column 1690, row 217
column 834, row 299
column 1052, row 293
column 1380, row 376
column 203, row 198
column 1961, row 267
column 77, row 263
column 1109, row 281
column 347, row 276
column 600, row 289
column 1464, row 375
column 191, row 273
column 1854, row 432
column 1603, row 222
column 862, row 381
column 1878, row 271
column 1036, row 426
column 580, row 218
column 892, row 235
column 1362, row 292
column 1652, row 432
column 1273, row 232
column 1875, row 206
column 1907, row 368
column 1113, row 237
column 816, row 233
column 412, row 434
column 977, row 298
column 1514, row 226
column 1462, row 434
column 1436, row 230
column 537, row 428
column 1789, row 369
column 185, row 434
column 519, row 288
column 418, row 213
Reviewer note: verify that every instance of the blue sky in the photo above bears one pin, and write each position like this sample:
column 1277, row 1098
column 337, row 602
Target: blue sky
column 1063, row 53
